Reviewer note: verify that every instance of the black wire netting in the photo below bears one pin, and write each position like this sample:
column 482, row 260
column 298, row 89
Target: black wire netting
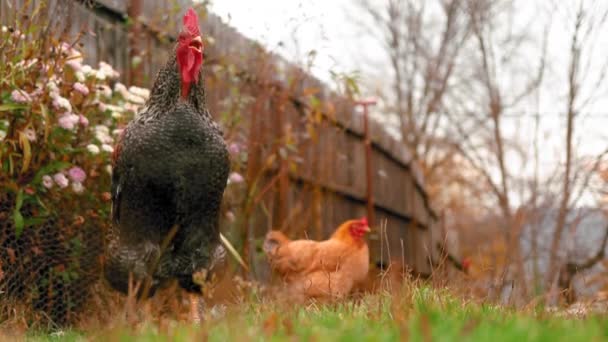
column 48, row 271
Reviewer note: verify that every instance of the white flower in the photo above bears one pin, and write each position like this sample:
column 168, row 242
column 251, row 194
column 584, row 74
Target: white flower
column 30, row 134
column 80, row 76
column 121, row 89
column 107, row 148
column 116, row 115
column 141, row 92
column 47, row 181
column 130, row 107
column 2, row 135
column 136, row 60
column 93, row 149
column 4, row 29
column 135, row 99
column 52, row 87
column 87, row 70
column 108, row 70
column 109, row 169
column 102, row 129
column 102, row 133
column 105, row 91
column 61, row 102
column 100, row 75
column 77, row 187
column 61, row 180
column 114, row 108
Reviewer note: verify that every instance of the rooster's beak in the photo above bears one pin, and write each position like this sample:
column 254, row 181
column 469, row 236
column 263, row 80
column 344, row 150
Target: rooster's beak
column 197, row 44
column 367, row 229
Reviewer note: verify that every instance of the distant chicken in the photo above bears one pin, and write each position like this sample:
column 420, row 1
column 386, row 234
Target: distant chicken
column 170, row 169
column 321, row 269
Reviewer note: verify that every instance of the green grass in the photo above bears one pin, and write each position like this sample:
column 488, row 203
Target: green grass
column 422, row 314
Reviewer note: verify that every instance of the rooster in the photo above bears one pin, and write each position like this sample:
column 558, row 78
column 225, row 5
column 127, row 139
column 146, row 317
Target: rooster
column 321, row 269
column 170, row 169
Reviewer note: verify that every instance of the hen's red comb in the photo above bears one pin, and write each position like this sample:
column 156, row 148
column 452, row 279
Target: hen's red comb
column 191, row 22
column 363, row 220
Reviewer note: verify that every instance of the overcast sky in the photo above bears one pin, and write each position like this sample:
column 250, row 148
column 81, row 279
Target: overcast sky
column 293, row 28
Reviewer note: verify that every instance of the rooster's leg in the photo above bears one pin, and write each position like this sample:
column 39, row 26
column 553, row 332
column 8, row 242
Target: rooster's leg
column 194, row 310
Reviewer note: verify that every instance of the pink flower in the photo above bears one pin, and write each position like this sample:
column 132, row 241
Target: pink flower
column 37, row 92
column 65, row 47
column 235, row 178
column 83, row 120
column 230, row 216
column 68, row 121
column 47, row 181
column 61, row 180
column 234, row 148
column 20, row 96
column 75, row 64
column 81, row 88
column 77, row 175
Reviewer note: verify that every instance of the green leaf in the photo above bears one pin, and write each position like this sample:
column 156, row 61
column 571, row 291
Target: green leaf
column 34, row 221
column 19, row 201
column 18, row 220
column 11, row 106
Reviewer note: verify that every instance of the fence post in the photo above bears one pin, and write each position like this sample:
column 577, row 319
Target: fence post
column 134, row 37
column 368, row 159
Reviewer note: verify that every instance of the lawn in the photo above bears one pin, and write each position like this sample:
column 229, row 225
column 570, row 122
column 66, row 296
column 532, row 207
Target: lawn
column 420, row 314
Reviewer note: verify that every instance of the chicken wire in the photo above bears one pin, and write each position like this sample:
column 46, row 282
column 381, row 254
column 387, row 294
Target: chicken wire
column 47, row 272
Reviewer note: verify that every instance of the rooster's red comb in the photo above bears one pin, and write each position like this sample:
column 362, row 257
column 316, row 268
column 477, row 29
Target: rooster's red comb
column 363, row 220
column 191, row 23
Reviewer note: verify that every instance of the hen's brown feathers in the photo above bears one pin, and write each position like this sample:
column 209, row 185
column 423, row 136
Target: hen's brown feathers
column 319, row 269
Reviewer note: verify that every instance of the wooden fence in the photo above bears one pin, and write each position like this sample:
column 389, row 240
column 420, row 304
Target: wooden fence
column 327, row 184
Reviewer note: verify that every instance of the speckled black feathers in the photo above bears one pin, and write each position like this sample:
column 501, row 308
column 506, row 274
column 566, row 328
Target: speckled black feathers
column 171, row 170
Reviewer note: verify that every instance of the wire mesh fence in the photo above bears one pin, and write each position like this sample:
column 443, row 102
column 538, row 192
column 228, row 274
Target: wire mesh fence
column 49, row 269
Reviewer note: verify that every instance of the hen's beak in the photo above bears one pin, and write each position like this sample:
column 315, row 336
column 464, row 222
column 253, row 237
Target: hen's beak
column 196, row 44
column 367, row 229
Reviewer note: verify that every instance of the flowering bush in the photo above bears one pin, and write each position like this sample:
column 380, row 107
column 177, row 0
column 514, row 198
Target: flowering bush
column 59, row 119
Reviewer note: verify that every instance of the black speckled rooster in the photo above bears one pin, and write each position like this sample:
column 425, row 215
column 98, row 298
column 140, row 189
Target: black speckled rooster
column 170, row 168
